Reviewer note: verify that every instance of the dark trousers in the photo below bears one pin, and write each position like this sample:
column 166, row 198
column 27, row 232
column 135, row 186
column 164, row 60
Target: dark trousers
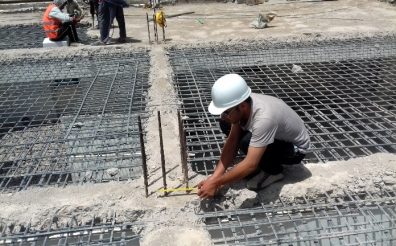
column 104, row 20
column 67, row 29
column 117, row 12
column 94, row 10
column 276, row 154
column 107, row 13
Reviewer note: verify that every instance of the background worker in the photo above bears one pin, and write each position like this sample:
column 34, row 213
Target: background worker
column 263, row 127
column 108, row 10
column 74, row 9
column 57, row 25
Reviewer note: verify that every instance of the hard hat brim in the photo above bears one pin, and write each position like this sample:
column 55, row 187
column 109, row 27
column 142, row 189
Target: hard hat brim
column 218, row 111
column 215, row 110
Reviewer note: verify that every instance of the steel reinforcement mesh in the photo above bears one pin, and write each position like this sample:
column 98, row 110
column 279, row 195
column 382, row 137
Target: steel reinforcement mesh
column 31, row 36
column 71, row 120
column 97, row 231
column 344, row 90
column 355, row 219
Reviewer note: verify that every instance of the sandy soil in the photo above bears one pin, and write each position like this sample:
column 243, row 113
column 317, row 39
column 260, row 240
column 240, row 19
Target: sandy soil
column 172, row 220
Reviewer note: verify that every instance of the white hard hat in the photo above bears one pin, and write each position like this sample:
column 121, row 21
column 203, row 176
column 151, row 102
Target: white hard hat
column 227, row 92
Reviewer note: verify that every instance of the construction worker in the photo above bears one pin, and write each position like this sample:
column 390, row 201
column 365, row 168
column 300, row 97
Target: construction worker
column 74, row 9
column 108, row 10
column 57, row 25
column 263, row 127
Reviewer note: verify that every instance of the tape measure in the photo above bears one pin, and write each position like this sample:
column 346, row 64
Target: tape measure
column 178, row 189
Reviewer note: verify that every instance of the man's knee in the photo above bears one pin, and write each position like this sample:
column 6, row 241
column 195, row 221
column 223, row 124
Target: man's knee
column 295, row 159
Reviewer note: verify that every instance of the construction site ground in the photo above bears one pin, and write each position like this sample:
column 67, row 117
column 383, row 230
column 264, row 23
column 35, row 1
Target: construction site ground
column 172, row 220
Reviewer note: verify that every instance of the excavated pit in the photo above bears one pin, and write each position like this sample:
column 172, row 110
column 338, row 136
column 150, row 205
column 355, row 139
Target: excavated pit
column 345, row 92
column 31, row 36
column 71, row 120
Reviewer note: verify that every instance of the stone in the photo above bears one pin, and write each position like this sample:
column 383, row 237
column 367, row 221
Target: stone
column 389, row 180
column 112, row 171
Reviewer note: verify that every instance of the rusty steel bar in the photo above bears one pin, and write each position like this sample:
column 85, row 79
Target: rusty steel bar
column 145, row 175
column 183, row 150
column 163, row 33
column 155, row 28
column 148, row 28
column 162, row 152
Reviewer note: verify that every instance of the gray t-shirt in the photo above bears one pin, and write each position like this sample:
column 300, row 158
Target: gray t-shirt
column 270, row 119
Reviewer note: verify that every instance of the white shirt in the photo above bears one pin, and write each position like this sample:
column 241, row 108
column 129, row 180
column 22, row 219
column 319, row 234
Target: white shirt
column 58, row 14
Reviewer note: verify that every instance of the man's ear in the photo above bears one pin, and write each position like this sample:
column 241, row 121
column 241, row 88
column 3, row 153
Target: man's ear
column 242, row 105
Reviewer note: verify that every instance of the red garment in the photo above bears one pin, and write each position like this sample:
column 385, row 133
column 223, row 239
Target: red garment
column 51, row 25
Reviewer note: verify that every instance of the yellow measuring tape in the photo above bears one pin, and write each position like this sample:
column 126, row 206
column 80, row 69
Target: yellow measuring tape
column 178, row 189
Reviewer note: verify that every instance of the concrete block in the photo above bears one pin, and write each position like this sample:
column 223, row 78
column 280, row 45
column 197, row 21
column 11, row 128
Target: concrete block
column 47, row 43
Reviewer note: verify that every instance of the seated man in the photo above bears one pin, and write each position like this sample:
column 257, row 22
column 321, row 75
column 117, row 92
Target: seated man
column 267, row 130
column 57, row 25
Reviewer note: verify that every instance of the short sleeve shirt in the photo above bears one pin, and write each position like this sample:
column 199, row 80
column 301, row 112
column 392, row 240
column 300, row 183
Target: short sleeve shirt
column 270, row 119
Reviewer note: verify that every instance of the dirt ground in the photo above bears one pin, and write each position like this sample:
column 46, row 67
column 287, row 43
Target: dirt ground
column 172, row 220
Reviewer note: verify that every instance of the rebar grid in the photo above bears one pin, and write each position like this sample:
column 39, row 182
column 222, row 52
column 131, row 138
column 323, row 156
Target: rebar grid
column 273, row 52
column 356, row 219
column 347, row 105
column 31, row 36
column 72, row 120
column 99, row 231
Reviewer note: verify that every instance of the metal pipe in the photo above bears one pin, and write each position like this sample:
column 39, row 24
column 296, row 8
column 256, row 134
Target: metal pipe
column 162, row 152
column 148, row 28
column 155, row 28
column 183, row 153
column 143, row 151
column 163, row 33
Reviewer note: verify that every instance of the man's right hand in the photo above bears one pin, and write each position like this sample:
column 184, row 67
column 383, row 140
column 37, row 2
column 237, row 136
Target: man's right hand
column 75, row 19
column 207, row 188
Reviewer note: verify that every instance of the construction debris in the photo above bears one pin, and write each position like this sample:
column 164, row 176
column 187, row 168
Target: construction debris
column 262, row 20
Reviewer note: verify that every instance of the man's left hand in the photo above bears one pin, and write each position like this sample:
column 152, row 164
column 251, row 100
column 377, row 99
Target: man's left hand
column 207, row 188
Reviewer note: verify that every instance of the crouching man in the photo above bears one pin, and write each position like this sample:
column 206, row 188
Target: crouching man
column 263, row 127
column 57, row 25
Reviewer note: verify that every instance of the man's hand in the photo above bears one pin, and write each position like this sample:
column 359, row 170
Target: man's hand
column 207, row 188
column 75, row 19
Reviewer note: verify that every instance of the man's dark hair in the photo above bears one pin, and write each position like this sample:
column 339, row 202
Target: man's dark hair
column 248, row 100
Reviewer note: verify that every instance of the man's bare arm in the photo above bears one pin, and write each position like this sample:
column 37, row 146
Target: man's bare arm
column 207, row 188
column 247, row 166
column 229, row 151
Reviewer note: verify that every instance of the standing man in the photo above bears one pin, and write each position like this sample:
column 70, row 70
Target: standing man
column 108, row 10
column 263, row 127
column 57, row 25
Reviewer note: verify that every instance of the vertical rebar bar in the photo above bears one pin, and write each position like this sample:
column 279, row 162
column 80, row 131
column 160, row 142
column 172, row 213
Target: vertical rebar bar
column 163, row 33
column 183, row 150
column 155, row 28
column 143, row 151
column 148, row 27
column 162, row 152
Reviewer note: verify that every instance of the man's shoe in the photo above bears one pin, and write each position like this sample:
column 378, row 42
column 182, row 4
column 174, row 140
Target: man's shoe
column 98, row 43
column 121, row 40
column 108, row 41
column 262, row 180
